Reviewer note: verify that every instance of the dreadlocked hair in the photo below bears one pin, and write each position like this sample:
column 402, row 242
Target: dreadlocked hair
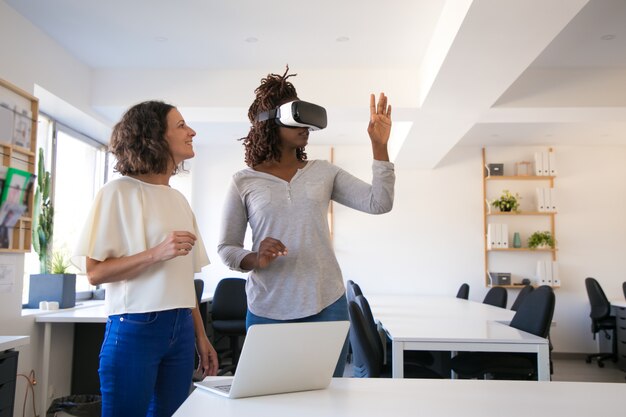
column 262, row 142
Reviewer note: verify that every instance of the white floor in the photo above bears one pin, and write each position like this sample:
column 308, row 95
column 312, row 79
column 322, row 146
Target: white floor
column 577, row 370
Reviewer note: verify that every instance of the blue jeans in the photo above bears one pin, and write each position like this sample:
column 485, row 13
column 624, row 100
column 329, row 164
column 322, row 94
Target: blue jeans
column 146, row 363
column 337, row 311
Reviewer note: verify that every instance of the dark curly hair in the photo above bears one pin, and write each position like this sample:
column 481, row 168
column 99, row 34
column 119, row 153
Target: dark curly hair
column 262, row 142
column 138, row 140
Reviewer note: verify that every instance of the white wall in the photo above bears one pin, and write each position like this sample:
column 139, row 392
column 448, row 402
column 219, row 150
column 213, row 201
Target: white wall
column 29, row 57
column 432, row 240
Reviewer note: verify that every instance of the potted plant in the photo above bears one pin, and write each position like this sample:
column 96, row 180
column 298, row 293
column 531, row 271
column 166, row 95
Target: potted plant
column 53, row 283
column 540, row 240
column 507, row 202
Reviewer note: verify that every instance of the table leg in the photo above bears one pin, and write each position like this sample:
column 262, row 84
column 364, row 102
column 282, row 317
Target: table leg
column 397, row 355
column 45, row 365
column 543, row 363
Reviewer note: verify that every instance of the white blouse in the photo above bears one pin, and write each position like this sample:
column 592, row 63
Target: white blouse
column 130, row 216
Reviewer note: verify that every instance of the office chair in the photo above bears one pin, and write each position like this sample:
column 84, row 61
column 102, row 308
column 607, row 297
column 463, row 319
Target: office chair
column 624, row 288
column 463, row 291
column 352, row 290
column 368, row 359
column 229, row 309
column 533, row 316
column 198, row 285
column 520, row 297
column 601, row 320
column 496, row 296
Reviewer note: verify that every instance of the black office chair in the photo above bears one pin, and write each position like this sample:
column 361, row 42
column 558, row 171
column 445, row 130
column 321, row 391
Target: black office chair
column 624, row 288
column 496, row 296
column 533, row 316
column 463, row 291
column 228, row 312
column 198, row 285
column 601, row 320
column 352, row 290
column 368, row 356
column 520, row 297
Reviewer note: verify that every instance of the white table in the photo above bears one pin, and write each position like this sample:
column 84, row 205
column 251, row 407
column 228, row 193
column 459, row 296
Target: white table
column 88, row 312
column 455, row 325
column 12, row 342
column 375, row 397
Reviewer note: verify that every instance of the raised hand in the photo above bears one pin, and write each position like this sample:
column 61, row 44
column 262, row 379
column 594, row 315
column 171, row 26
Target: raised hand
column 379, row 127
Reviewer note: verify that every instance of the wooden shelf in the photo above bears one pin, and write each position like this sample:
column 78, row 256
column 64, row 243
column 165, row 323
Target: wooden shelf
column 19, row 157
column 522, row 213
column 519, row 287
column 520, row 178
column 506, row 218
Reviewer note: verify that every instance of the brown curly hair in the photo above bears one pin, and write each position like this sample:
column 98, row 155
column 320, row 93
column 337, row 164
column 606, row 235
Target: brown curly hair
column 138, row 140
column 262, row 142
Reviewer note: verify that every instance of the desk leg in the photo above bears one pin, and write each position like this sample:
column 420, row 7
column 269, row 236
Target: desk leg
column 397, row 356
column 45, row 365
column 543, row 363
column 453, row 374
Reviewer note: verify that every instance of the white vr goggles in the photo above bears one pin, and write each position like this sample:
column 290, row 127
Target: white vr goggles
column 296, row 113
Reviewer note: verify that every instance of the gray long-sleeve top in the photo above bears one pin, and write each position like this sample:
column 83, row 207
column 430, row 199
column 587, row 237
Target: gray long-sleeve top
column 308, row 279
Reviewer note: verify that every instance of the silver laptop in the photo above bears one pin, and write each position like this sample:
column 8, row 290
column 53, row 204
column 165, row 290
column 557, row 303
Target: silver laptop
column 284, row 357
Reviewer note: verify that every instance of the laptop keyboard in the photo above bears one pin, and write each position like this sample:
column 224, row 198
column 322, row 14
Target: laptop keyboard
column 223, row 388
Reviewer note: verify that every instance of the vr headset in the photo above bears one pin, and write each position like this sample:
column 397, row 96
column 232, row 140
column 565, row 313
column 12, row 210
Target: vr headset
column 297, row 113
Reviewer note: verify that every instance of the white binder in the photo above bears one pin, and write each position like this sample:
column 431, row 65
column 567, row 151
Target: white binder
column 552, row 163
column 541, row 273
column 545, row 160
column 541, row 204
column 538, row 164
column 556, row 280
column 504, row 237
column 547, row 203
column 491, row 236
column 548, row 267
column 553, row 206
column 497, row 228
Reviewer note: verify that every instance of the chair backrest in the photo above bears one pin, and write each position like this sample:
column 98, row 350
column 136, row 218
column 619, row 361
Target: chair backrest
column 463, row 291
column 496, row 296
column 229, row 300
column 535, row 313
column 198, row 285
column 352, row 290
column 366, row 310
column 520, row 297
column 624, row 288
column 600, row 305
column 366, row 362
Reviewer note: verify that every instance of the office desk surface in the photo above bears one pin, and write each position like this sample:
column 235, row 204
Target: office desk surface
column 375, row 397
column 618, row 303
column 12, row 342
column 435, row 306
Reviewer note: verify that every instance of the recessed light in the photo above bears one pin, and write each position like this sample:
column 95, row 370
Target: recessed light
column 342, row 39
column 607, row 37
column 252, row 39
column 161, row 39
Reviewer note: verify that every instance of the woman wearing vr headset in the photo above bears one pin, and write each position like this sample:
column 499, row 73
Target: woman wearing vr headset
column 294, row 274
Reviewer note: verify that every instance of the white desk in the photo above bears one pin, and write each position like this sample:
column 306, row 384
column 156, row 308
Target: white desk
column 12, row 342
column 452, row 324
column 88, row 312
column 375, row 397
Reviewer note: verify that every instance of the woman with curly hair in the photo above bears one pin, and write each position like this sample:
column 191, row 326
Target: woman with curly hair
column 141, row 240
column 294, row 274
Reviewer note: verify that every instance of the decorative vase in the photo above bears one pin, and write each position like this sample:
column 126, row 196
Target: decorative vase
column 517, row 240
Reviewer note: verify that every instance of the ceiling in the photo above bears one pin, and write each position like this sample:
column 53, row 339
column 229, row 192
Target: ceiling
column 458, row 72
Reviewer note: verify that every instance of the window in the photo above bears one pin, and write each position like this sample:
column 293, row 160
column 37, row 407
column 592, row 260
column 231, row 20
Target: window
column 77, row 164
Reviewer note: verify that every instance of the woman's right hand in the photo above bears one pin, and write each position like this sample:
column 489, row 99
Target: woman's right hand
column 178, row 243
column 269, row 250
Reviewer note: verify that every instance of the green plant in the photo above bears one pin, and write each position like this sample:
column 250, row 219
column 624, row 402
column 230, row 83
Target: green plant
column 43, row 216
column 507, row 201
column 539, row 239
column 59, row 263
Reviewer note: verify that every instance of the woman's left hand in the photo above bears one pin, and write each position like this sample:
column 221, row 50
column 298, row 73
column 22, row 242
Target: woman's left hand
column 379, row 127
column 208, row 356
